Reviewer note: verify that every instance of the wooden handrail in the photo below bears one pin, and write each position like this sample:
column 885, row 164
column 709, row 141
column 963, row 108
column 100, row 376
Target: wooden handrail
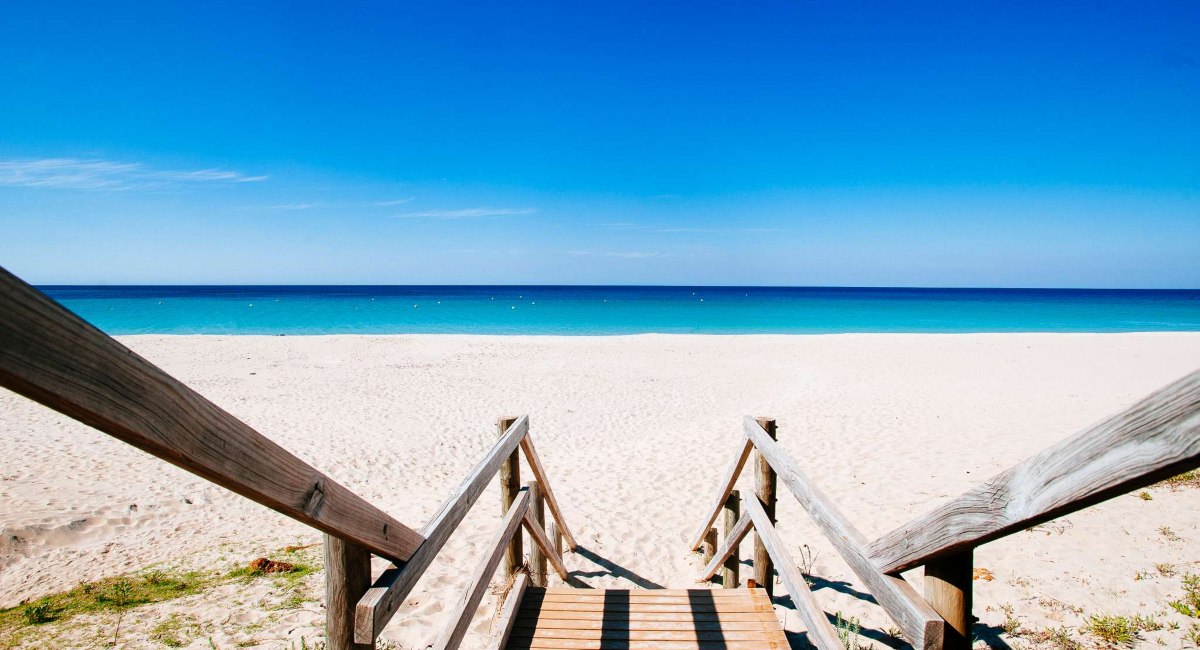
column 390, row 589
column 52, row 356
column 1156, row 438
column 820, row 632
column 460, row 618
column 386, row 595
column 729, row 546
column 508, row 612
column 731, row 477
column 921, row 624
column 543, row 542
column 539, row 473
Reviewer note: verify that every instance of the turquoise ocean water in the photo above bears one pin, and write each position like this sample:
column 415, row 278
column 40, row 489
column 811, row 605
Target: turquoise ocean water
column 620, row 310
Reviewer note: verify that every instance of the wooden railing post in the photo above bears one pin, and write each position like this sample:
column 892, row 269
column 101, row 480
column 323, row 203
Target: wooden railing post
column 537, row 510
column 510, row 487
column 347, row 578
column 765, row 483
column 556, row 538
column 733, row 512
column 708, row 548
column 948, row 592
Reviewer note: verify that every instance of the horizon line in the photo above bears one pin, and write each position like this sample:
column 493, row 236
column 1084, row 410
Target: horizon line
column 609, row 286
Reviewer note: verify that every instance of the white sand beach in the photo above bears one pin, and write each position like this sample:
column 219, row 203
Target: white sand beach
column 635, row 433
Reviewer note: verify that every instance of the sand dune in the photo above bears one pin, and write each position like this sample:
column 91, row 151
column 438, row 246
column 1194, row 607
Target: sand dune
column 635, row 432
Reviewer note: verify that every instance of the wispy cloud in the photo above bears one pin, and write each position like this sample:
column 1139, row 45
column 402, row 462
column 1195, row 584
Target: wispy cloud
column 467, row 213
column 80, row 174
column 297, row 206
column 394, row 202
column 624, row 225
column 633, row 255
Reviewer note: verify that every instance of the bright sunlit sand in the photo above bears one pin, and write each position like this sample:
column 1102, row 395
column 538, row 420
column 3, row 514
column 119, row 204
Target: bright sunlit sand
column 634, row 432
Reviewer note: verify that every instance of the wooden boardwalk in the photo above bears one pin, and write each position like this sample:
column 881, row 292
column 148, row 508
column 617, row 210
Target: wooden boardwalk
column 599, row 619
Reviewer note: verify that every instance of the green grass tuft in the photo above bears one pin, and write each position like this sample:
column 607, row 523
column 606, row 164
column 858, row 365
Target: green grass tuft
column 1120, row 630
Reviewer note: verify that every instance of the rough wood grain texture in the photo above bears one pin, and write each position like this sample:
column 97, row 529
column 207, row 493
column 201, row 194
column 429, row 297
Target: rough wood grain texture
column 820, row 632
column 920, row 624
column 388, row 592
column 464, row 611
column 690, row 616
column 948, row 591
column 510, row 486
column 647, row 618
column 347, row 576
column 1154, row 439
column 542, row 542
column 508, row 613
column 731, row 570
column 731, row 477
column 708, row 548
column 728, row 547
column 555, row 537
column 632, row 644
column 537, row 517
column 539, row 473
column 52, row 356
column 765, row 486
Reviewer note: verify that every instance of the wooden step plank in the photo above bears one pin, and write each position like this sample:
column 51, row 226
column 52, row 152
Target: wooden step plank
column 534, row 614
column 704, row 594
column 620, row 644
column 569, row 591
column 681, row 601
column 614, row 623
column 644, row 635
column 742, row 607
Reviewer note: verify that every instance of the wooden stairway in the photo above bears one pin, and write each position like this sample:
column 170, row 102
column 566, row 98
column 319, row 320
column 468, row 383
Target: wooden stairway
column 600, row 619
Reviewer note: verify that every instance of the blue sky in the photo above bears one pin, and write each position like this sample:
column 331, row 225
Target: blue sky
column 950, row 144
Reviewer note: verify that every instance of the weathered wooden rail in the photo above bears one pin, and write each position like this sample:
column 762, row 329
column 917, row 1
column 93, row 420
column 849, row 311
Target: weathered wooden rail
column 1156, row 438
column 52, row 356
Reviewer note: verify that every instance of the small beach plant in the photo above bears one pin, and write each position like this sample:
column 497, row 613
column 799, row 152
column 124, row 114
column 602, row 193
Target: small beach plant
column 848, row 630
column 38, row 613
column 1189, row 605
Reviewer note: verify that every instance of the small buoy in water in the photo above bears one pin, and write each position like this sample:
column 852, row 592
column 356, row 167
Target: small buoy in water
column 160, row 302
column 251, row 305
column 702, row 300
column 415, row 306
column 513, row 307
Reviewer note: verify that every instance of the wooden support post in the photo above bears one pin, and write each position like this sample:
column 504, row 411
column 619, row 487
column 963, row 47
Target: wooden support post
column 708, row 548
column 537, row 559
column 765, row 483
column 948, row 592
column 556, row 538
column 510, row 487
column 347, row 578
column 733, row 512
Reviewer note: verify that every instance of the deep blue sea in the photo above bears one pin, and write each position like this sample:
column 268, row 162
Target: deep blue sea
column 619, row 310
